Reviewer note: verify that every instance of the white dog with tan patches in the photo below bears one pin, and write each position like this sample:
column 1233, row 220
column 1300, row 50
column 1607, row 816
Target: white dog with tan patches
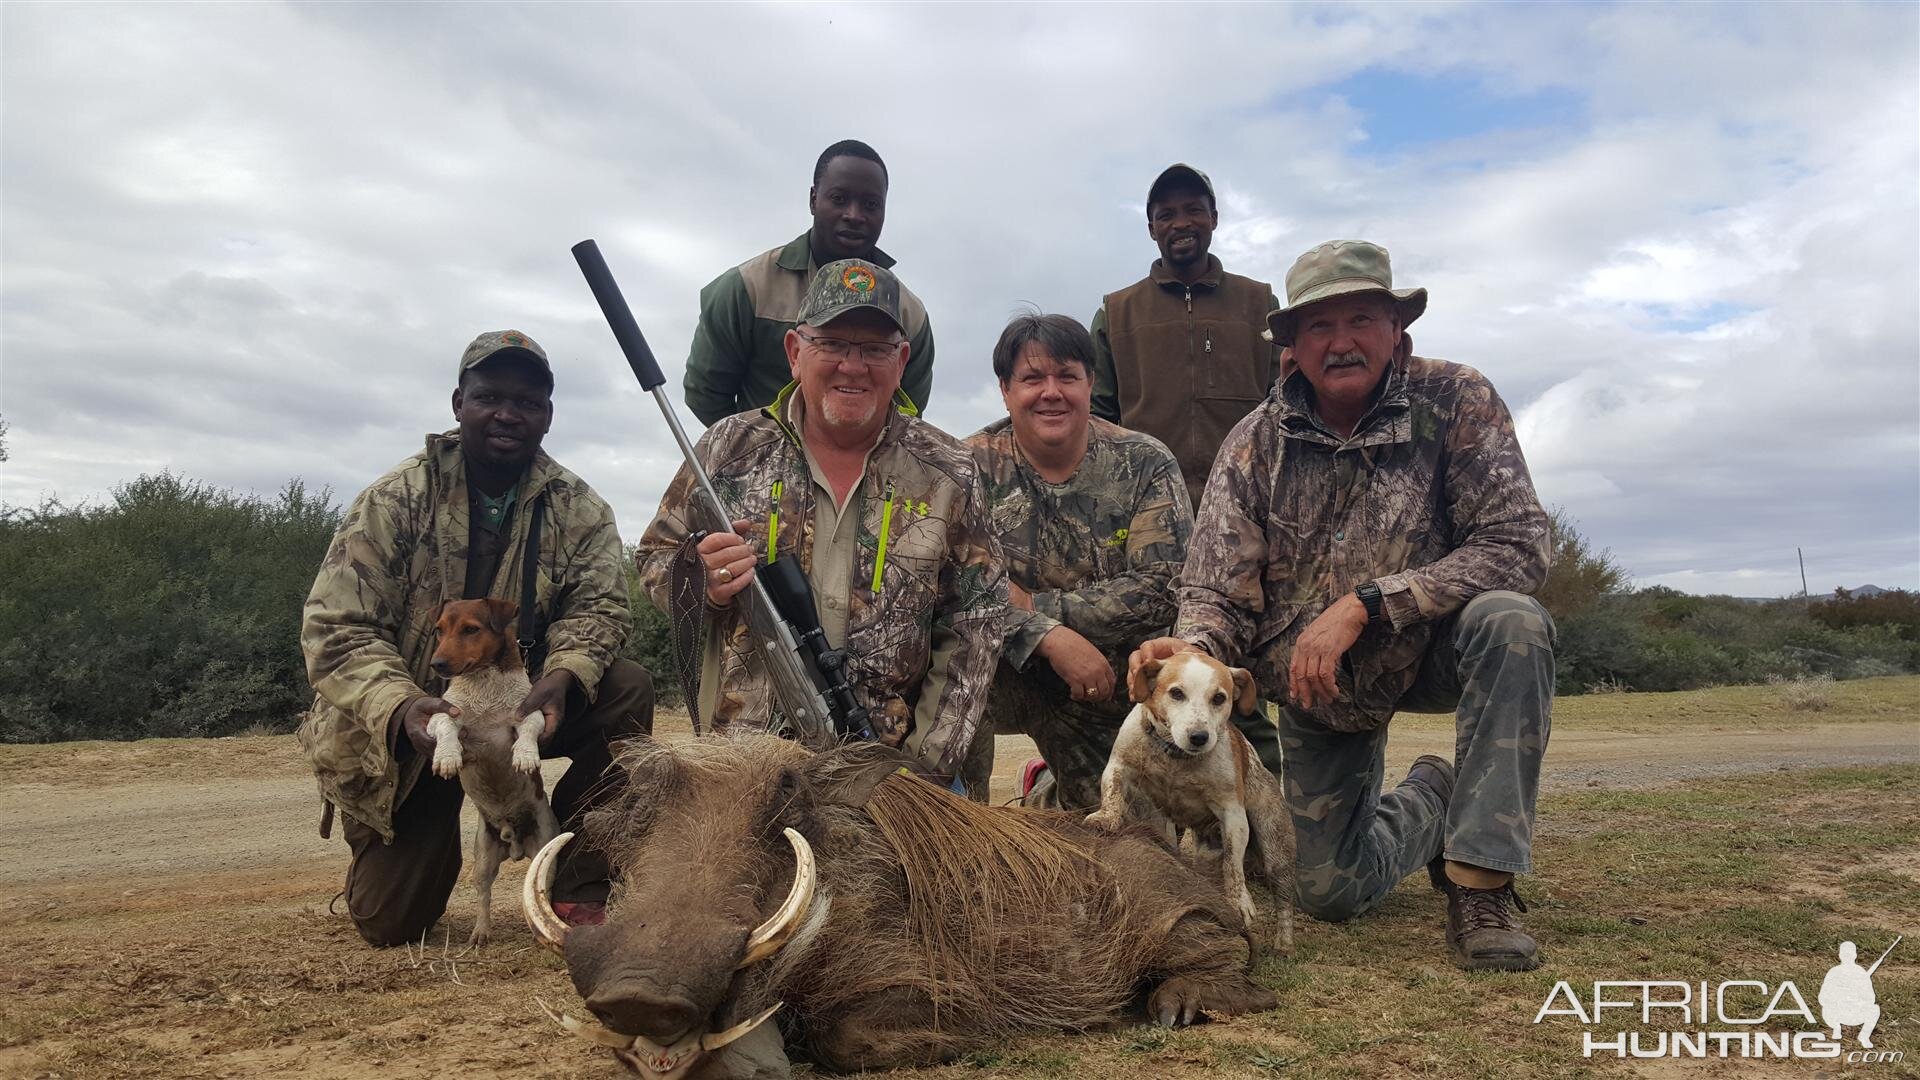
column 1179, row 763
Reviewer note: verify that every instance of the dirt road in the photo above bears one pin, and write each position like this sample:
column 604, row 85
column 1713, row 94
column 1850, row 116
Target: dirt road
column 184, row 880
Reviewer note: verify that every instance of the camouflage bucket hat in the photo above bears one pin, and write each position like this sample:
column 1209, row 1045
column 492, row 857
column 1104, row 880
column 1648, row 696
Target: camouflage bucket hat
column 493, row 342
column 842, row 286
column 1340, row 268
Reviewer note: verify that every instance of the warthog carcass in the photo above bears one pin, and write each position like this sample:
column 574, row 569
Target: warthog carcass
column 886, row 921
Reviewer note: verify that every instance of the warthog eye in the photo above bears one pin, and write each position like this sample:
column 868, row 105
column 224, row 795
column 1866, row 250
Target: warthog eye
column 1177, row 694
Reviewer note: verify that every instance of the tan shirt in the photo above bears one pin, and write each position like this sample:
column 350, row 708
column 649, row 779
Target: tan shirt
column 836, row 531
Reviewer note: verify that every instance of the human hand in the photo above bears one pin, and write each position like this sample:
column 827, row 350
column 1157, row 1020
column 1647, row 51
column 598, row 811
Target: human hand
column 412, row 717
column 549, row 698
column 729, row 560
column 1316, row 654
column 1160, row 648
column 1082, row 666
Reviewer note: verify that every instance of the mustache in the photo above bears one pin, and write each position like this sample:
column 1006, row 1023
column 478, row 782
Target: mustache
column 1346, row 359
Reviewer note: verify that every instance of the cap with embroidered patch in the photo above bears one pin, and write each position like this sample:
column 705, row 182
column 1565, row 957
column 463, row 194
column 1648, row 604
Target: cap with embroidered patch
column 494, row 342
column 843, row 286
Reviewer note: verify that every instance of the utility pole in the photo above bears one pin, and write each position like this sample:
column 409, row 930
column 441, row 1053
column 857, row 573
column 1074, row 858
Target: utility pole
column 1805, row 596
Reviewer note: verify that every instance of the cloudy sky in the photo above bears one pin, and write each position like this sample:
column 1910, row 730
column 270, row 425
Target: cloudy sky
column 247, row 242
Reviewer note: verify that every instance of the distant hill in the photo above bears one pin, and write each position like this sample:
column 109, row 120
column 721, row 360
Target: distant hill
column 1867, row 590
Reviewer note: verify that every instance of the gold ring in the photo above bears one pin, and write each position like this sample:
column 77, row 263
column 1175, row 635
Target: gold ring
column 725, row 575
column 1091, row 691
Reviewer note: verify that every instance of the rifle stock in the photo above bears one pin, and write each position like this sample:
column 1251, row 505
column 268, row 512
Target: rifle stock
column 796, row 687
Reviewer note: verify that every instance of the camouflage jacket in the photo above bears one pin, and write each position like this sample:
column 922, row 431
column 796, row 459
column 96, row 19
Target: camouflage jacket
column 1430, row 499
column 1098, row 552
column 942, row 588
column 367, row 630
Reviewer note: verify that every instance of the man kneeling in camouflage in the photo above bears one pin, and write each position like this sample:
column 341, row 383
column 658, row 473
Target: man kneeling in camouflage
column 1366, row 543
column 1093, row 521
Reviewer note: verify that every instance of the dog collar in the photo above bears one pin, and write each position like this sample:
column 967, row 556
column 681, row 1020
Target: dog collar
column 1154, row 740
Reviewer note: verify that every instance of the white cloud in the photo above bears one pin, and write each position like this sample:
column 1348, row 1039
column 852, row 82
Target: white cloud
column 247, row 242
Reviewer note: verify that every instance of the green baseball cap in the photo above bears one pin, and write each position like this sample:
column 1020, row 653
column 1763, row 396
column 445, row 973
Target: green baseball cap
column 848, row 284
column 494, row 342
column 1340, row 268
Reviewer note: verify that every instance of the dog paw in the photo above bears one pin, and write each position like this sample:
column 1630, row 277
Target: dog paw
column 480, row 936
column 1104, row 819
column 526, row 758
column 446, row 766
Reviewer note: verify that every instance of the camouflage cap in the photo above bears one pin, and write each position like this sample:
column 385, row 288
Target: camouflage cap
column 847, row 284
column 494, row 342
column 1178, row 172
column 1339, row 268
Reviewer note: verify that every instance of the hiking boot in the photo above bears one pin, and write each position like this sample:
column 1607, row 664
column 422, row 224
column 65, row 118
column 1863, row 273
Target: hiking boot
column 1433, row 773
column 1036, row 785
column 1482, row 931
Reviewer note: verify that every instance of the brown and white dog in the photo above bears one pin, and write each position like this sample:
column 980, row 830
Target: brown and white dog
column 1179, row 763
column 495, row 753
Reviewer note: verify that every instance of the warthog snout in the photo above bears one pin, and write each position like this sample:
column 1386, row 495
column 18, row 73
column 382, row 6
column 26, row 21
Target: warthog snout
column 642, row 1009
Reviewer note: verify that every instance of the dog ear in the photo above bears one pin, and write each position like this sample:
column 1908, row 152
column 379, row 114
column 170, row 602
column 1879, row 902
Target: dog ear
column 1140, row 683
column 500, row 614
column 439, row 609
column 1246, row 692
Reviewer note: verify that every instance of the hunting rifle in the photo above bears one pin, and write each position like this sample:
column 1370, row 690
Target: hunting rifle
column 809, row 676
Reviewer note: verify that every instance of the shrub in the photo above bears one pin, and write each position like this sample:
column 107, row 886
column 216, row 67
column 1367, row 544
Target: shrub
column 1578, row 575
column 1806, row 693
column 172, row 609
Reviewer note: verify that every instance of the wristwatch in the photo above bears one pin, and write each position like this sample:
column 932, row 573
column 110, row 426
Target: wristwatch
column 1370, row 598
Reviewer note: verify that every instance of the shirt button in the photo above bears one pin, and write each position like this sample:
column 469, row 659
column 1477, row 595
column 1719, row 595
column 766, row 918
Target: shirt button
column 1340, row 535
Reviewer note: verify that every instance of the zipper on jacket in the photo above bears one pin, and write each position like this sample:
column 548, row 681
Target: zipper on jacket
column 1189, row 299
column 886, row 527
column 773, row 523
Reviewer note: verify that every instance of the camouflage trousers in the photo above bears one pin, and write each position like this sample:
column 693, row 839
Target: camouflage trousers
column 1492, row 666
column 1074, row 738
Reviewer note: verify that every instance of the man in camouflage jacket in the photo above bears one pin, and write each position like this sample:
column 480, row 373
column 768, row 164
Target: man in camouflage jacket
column 1094, row 522
column 1366, row 544
column 883, row 512
column 450, row 523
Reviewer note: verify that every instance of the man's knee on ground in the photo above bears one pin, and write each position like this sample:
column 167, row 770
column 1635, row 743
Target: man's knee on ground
column 1330, row 908
column 1505, row 618
column 384, row 930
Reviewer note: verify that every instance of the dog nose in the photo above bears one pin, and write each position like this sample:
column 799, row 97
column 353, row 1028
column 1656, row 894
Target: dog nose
column 1198, row 739
column 442, row 668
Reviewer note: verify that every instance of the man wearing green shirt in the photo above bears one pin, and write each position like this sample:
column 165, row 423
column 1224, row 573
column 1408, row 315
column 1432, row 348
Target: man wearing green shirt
column 739, row 358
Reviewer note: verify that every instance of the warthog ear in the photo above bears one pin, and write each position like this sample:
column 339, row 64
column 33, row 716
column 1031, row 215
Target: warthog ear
column 1140, row 683
column 1246, row 692
column 847, row 776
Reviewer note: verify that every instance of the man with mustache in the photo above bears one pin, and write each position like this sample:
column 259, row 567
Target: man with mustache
column 1093, row 520
column 883, row 513
column 480, row 512
column 1366, row 544
column 1183, row 353
column 738, row 361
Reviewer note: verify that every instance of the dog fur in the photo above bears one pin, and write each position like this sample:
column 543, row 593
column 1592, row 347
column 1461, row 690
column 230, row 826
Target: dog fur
column 1178, row 763
column 495, row 754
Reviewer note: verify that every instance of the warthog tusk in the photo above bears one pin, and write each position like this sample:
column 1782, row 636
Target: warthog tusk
column 772, row 934
column 536, row 897
column 718, row 1039
column 593, row 1033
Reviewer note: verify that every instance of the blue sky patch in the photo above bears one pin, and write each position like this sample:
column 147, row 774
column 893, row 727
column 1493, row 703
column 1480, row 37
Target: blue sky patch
column 1692, row 318
column 1402, row 111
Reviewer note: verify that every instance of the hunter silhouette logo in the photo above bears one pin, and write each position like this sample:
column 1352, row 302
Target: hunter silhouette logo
column 858, row 278
column 1846, row 994
column 1728, row 1018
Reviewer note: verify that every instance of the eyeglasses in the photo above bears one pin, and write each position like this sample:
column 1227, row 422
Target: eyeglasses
column 871, row 353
